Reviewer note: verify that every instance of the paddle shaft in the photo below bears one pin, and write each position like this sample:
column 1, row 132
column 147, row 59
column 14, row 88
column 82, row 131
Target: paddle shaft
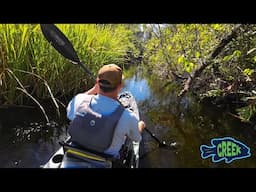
column 154, row 137
column 87, row 70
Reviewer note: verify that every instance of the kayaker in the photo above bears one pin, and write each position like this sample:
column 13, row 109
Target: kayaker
column 103, row 100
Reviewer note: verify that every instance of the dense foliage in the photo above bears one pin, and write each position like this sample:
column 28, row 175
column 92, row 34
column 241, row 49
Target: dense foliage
column 30, row 66
column 175, row 52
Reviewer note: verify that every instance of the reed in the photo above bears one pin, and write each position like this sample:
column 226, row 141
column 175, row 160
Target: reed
column 41, row 72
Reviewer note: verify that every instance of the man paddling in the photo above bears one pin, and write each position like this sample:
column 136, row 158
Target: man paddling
column 99, row 121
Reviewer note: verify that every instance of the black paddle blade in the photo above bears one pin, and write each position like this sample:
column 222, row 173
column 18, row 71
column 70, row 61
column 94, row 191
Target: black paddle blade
column 60, row 42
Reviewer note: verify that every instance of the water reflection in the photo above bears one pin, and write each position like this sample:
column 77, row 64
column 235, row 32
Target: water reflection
column 187, row 122
column 29, row 144
column 138, row 87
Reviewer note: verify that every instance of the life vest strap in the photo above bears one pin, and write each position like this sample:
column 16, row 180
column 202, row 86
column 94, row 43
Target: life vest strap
column 83, row 153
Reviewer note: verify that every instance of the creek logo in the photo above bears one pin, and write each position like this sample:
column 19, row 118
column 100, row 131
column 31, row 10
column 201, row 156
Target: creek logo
column 225, row 148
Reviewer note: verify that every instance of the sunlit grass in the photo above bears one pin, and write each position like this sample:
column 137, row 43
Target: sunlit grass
column 42, row 71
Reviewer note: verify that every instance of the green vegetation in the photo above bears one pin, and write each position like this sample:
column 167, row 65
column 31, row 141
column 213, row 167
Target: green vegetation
column 30, row 68
column 209, row 60
column 219, row 66
column 180, row 48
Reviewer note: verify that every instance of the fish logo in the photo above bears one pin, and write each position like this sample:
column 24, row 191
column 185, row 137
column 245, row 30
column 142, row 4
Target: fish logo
column 225, row 148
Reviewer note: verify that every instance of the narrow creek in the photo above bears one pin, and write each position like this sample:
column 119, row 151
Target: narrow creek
column 26, row 143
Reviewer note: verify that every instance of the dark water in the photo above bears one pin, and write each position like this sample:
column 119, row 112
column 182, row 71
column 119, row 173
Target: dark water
column 187, row 123
column 26, row 141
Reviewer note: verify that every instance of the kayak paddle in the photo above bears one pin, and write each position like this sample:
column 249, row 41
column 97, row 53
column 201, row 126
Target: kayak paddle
column 161, row 143
column 61, row 43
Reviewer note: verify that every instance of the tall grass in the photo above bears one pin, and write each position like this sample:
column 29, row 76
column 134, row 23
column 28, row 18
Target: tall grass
column 41, row 72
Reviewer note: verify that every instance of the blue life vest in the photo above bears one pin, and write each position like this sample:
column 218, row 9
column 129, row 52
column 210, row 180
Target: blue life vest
column 92, row 130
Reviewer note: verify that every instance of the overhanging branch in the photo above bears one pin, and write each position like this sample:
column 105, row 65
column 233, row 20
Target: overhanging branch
column 197, row 72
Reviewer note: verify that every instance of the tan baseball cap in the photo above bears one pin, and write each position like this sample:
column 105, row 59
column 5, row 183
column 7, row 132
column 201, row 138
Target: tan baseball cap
column 110, row 73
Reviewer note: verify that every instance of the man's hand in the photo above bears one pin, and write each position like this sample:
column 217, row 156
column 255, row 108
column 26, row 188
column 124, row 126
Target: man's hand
column 94, row 90
column 141, row 125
